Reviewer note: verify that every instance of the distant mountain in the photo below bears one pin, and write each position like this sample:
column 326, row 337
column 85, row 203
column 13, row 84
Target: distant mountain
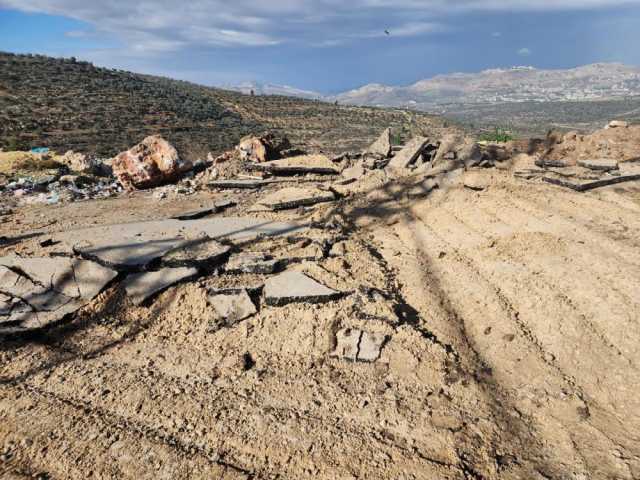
column 516, row 84
column 271, row 89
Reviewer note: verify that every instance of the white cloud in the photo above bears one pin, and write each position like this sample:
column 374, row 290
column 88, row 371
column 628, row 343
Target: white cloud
column 167, row 25
column 524, row 52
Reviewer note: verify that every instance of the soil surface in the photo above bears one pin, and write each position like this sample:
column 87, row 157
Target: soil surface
column 512, row 347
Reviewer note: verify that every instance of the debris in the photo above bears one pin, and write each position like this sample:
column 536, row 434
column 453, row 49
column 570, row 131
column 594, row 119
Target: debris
column 142, row 286
column 546, row 163
column 382, row 146
column 604, row 165
column 36, row 292
column 133, row 246
column 232, row 308
column 583, row 186
column 217, row 207
column 81, row 163
column 355, row 172
column 353, row 344
column 293, row 197
column 150, row 163
column 295, row 287
column 319, row 164
column 409, row 154
column 241, row 184
column 251, row 263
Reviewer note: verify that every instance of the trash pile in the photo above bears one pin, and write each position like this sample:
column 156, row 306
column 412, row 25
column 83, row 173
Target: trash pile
column 584, row 162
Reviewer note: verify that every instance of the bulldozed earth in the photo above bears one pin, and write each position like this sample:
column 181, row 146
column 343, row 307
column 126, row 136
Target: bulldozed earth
column 432, row 311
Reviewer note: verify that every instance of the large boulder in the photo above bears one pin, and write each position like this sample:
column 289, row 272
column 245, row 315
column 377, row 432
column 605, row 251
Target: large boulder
column 152, row 162
column 382, row 146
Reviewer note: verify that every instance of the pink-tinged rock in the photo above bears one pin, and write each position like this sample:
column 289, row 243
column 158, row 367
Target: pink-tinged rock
column 152, row 162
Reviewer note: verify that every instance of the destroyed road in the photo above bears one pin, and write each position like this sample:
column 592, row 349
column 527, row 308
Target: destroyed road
column 474, row 325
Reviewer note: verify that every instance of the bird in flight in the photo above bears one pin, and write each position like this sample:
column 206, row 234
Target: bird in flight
column 387, row 32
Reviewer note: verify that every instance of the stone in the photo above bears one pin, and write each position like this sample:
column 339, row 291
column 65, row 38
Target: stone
column 347, row 341
column 409, row 154
column 256, row 263
column 382, row 146
column 318, row 164
column 233, row 308
column 618, row 124
column 262, row 148
column 293, row 197
column 36, row 292
column 370, row 346
column 604, row 165
column 152, row 162
column 79, row 162
column 133, row 246
column 548, row 163
column 295, row 287
column 142, row 286
column 353, row 344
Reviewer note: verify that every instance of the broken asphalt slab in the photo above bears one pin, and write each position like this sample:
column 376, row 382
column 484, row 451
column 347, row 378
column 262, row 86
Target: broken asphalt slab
column 293, row 197
column 353, row 344
column 133, row 246
column 603, row 165
column 318, row 164
column 382, row 146
column 37, row 292
column 206, row 211
column 583, row 186
column 296, row 287
column 409, row 154
column 256, row 263
column 142, row 286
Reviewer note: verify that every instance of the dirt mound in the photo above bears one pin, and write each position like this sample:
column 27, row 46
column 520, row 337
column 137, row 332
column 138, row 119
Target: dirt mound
column 620, row 143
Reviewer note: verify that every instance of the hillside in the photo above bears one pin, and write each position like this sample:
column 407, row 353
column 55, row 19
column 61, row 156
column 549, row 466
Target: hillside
column 68, row 104
column 517, row 84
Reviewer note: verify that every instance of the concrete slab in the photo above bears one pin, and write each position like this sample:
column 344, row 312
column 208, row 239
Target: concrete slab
column 133, row 246
column 36, row 292
column 296, row 287
column 382, row 145
column 233, row 308
column 318, row 164
column 142, row 286
column 409, row 154
column 294, row 197
column 257, row 263
column 603, row 165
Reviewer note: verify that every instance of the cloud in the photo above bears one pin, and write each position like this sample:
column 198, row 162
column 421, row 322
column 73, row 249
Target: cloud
column 524, row 52
column 148, row 26
column 496, row 34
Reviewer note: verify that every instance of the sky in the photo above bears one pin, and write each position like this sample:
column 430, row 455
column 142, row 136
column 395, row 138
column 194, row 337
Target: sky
column 328, row 46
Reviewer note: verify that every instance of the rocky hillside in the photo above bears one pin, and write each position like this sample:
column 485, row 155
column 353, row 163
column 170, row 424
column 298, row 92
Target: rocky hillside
column 67, row 104
column 517, row 84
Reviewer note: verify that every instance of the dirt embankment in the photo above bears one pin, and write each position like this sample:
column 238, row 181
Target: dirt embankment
column 511, row 323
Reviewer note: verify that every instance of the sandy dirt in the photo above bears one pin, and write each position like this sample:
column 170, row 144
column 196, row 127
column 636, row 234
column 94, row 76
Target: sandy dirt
column 511, row 318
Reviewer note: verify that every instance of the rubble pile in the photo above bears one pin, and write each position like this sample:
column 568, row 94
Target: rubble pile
column 585, row 162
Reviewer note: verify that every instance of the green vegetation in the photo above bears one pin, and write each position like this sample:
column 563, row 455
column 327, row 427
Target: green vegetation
column 499, row 135
column 65, row 104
